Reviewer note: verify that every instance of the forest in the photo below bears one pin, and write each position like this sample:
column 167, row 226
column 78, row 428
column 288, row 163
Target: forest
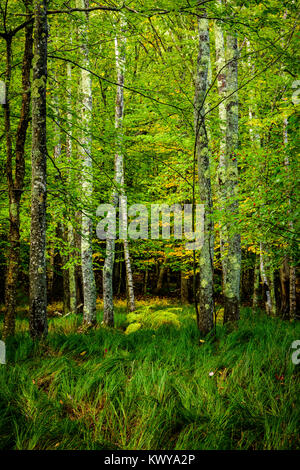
column 149, row 234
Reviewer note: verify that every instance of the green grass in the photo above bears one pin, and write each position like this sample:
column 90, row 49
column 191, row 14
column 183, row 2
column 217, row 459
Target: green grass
column 151, row 389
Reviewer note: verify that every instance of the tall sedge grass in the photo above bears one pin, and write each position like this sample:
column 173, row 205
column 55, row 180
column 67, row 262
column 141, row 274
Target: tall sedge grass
column 152, row 389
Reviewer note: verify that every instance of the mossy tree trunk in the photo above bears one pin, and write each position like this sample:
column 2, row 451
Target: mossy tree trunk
column 16, row 182
column 206, row 305
column 70, row 228
column 85, row 149
column 232, row 245
column 221, row 171
column 37, row 268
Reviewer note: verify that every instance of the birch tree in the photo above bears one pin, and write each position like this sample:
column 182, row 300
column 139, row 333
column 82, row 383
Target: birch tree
column 70, row 228
column 289, row 261
column 84, row 151
column 205, row 314
column 229, row 188
column 227, row 174
column 37, row 268
column 119, row 190
column 221, row 172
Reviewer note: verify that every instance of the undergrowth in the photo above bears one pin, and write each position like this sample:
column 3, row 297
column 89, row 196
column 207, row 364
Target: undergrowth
column 155, row 388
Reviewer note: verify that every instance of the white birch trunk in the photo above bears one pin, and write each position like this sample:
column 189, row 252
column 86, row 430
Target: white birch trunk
column 233, row 240
column 221, row 172
column 70, row 228
column 292, row 269
column 108, row 317
column 206, row 306
column 227, row 173
column 267, row 276
column 84, row 150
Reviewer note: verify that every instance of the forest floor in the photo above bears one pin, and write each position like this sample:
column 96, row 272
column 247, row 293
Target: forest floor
column 155, row 388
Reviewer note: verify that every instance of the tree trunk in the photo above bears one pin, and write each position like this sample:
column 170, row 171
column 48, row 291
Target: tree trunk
column 184, row 288
column 37, row 268
column 291, row 261
column 233, row 241
column 146, row 276
column 221, row 171
column 70, row 228
column 108, row 314
column 268, row 281
column 293, row 305
column 284, row 274
column 160, row 280
column 206, row 305
column 88, row 278
column 15, row 185
column 129, row 279
column 256, row 283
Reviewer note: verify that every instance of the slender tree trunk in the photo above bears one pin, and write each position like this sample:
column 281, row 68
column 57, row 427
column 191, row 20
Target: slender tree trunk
column 15, row 185
column 37, row 268
column 61, row 229
column 184, row 288
column 291, row 261
column 293, row 305
column 160, row 280
column 129, row 278
column 284, row 274
column 108, row 314
column 206, row 305
column 119, row 277
column 221, row 172
column 146, row 277
column 88, row 278
column 256, row 283
column 120, row 51
column 268, row 281
column 70, row 228
column 108, row 306
column 233, row 241
column 50, row 272
column 65, row 273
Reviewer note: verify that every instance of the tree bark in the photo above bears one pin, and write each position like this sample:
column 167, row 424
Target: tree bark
column 290, row 260
column 232, row 246
column 206, row 305
column 221, row 171
column 267, row 276
column 70, row 228
column 37, row 269
column 160, row 280
column 108, row 314
column 284, row 275
column 256, row 283
column 184, row 288
column 88, row 278
column 15, row 184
